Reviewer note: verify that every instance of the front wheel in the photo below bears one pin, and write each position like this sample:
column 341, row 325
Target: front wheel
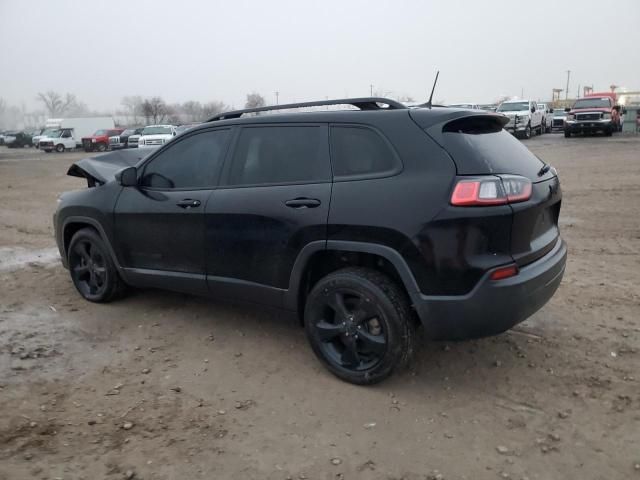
column 359, row 324
column 101, row 147
column 567, row 134
column 527, row 131
column 92, row 269
column 60, row 148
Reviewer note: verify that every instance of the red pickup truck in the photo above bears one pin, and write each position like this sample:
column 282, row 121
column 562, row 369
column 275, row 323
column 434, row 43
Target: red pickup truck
column 596, row 112
column 100, row 140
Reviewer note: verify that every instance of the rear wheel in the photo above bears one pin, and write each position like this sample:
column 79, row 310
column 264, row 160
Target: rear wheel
column 92, row 269
column 360, row 325
column 101, row 147
column 567, row 134
column 60, row 148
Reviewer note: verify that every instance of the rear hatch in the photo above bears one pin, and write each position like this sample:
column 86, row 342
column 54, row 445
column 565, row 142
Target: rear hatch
column 479, row 146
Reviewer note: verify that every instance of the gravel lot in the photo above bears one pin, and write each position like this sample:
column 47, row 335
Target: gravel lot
column 168, row 386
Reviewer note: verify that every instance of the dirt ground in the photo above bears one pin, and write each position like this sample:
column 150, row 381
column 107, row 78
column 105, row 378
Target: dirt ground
column 168, row 386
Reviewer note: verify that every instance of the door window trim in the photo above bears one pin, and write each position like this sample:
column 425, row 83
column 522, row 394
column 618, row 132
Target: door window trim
column 216, row 181
column 226, row 169
column 397, row 160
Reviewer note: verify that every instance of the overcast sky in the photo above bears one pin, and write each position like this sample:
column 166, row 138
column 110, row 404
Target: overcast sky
column 221, row 50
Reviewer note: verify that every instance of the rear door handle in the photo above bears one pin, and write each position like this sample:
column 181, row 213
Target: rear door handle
column 302, row 202
column 188, row 203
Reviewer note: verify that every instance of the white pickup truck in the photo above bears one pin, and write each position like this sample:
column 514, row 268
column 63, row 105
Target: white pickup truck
column 524, row 117
column 154, row 136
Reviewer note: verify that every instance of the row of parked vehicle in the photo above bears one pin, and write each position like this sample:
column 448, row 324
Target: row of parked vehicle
column 62, row 138
column 594, row 113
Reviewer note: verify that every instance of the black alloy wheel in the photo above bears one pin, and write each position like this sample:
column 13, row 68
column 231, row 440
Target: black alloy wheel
column 92, row 270
column 359, row 325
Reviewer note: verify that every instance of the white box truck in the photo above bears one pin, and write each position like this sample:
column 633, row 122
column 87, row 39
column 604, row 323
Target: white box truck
column 67, row 133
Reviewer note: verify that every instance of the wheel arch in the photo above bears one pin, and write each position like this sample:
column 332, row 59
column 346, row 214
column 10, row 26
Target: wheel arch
column 320, row 258
column 74, row 224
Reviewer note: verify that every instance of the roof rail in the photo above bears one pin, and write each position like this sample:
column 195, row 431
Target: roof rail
column 364, row 103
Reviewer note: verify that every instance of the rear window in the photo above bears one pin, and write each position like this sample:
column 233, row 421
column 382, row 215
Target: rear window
column 482, row 147
column 360, row 151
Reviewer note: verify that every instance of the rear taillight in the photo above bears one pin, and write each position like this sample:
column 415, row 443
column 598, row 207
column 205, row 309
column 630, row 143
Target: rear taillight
column 482, row 191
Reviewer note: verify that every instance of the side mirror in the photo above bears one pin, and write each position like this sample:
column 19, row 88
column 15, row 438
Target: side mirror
column 624, row 111
column 551, row 110
column 567, row 109
column 127, row 177
column 533, row 109
column 175, row 133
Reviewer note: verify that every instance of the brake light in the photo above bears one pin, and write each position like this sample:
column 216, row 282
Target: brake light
column 504, row 272
column 491, row 191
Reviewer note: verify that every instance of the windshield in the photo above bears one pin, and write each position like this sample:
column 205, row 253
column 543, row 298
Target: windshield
column 54, row 133
column 49, row 132
column 513, row 107
column 128, row 131
column 461, row 105
column 559, row 112
column 156, row 131
column 593, row 103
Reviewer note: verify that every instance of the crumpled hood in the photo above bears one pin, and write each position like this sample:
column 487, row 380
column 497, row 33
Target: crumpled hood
column 102, row 168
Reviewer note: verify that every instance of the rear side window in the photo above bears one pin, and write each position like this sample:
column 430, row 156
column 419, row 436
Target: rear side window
column 192, row 162
column 280, row 155
column 361, row 151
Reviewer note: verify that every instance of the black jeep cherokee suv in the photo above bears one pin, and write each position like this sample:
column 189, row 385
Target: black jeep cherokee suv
column 368, row 222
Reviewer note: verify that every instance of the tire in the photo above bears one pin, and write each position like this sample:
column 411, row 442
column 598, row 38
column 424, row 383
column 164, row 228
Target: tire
column 541, row 128
column 101, row 147
column 47, row 151
column 567, row 134
column 527, row 131
column 609, row 132
column 60, row 148
column 360, row 325
column 92, row 269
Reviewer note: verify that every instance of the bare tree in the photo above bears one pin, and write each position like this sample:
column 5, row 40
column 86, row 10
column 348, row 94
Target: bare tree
column 56, row 104
column 132, row 108
column 155, row 110
column 212, row 108
column 192, row 110
column 255, row 100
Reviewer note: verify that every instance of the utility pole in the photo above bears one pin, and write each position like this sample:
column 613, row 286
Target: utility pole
column 277, row 96
column 566, row 91
column 371, row 90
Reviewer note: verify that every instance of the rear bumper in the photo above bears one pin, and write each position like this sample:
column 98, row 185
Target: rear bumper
column 494, row 306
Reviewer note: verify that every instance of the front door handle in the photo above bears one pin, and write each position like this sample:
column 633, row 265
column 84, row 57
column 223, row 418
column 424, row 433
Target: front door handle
column 188, row 203
column 302, row 202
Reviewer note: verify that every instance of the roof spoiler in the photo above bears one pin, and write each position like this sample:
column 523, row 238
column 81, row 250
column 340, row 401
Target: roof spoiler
column 363, row 103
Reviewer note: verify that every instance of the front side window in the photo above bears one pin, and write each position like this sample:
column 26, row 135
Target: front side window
column 357, row 151
column 193, row 162
column 280, row 155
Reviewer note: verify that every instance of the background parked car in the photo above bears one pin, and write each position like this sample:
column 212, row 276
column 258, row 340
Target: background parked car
column 154, row 136
column 489, row 107
column 18, row 140
column 59, row 140
column 559, row 116
column 183, row 128
column 99, row 140
column 547, row 116
column 122, row 141
column 524, row 117
column 469, row 106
